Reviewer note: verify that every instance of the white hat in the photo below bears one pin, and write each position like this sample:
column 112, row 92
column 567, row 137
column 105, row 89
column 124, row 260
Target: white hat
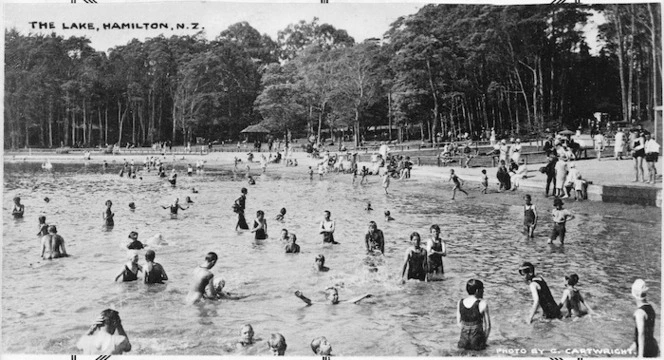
column 518, row 140
column 639, row 289
column 503, row 141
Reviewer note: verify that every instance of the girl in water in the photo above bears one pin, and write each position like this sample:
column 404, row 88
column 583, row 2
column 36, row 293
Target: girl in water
column 572, row 299
column 473, row 317
column 260, row 226
column 416, row 262
column 18, row 209
column 436, row 249
column 131, row 269
column 108, row 214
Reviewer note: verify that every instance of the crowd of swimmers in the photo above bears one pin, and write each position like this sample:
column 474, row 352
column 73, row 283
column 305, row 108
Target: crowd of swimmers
column 422, row 263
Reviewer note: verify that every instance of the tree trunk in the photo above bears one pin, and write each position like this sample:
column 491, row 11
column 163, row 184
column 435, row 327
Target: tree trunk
column 320, row 124
column 432, row 134
column 106, row 125
column 389, row 114
column 630, row 65
column 50, row 124
column 653, row 113
column 621, row 62
column 85, row 124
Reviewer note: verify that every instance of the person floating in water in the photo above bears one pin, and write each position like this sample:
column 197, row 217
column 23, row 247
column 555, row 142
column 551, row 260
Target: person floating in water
column 331, row 297
column 238, row 207
column 133, row 243
column 277, row 344
column 473, row 318
column 18, row 209
column 202, row 285
column 132, row 206
column 53, row 245
column 43, row 227
column 374, row 239
column 154, row 272
column 436, row 249
column 280, row 216
column 320, row 346
column 106, row 336
column 260, row 226
column 388, row 217
column 108, row 214
column 327, row 227
column 175, row 207
column 645, row 343
column 292, row 247
column 368, row 208
column 416, row 262
column 541, row 294
column 319, row 264
column 457, row 184
column 529, row 216
column 130, row 270
column 560, row 218
column 250, row 180
column 572, row 298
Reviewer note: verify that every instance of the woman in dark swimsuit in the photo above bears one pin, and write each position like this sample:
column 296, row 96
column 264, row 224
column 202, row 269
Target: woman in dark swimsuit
column 131, row 269
column 108, row 214
column 260, row 226
column 436, row 249
column 416, row 263
column 645, row 343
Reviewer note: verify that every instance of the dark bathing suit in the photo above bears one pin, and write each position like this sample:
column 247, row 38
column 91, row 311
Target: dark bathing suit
column 549, row 306
column 373, row 240
column 109, row 218
column 128, row 275
column 472, row 331
column 528, row 215
column 154, row 277
column 651, row 349
column 241, row 221
column 260, row 233
column 436, row 260
column 416, row 269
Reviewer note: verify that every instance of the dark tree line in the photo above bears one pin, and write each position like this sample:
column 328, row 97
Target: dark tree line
column 446, row 69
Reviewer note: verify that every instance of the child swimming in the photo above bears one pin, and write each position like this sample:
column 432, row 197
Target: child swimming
column 572, row 299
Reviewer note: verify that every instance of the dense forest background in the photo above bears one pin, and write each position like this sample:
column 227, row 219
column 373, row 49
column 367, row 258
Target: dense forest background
column 446, row 69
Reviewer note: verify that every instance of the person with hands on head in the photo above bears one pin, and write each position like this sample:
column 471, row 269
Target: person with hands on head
column 106, row 336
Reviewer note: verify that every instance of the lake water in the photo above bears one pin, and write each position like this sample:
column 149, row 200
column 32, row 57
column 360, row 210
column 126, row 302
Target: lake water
column 48, row 305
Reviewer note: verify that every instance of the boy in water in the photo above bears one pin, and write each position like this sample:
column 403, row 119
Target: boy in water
column 280, row 216
column 572, row 299
column 277, row 344
column 473, row 317
column 43, row 227
column 292, row 248
column 319, row 264
column 246, row 336
column 529, row 216
column 133, row 243
column 387, row 216
column 321, row 346
column 560, row 218
column 154, row 272
column 54, row 243
column 485, row 182
column 18, row 209
column 457, row 184
column 331, row 297
column 106, row 336
column 175, row 207
column 541, row 294
column 202, row 280
column 108, row 214
column 326, row 228
column 284, row 236
column 374, row 239
column 416, row 263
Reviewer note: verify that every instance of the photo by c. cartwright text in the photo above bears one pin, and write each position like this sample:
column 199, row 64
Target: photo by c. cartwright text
column 579, row 352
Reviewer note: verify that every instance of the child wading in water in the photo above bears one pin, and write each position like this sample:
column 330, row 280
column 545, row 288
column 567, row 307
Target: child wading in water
column 108, row 214
column 572, row 299
column 473, row 317
column 529, row 216
column 457, row 184
column 560, row 217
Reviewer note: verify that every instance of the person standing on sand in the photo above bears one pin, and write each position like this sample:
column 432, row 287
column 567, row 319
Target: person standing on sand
column 202, row 279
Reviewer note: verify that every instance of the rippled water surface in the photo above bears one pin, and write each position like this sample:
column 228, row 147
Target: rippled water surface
column 48, row 305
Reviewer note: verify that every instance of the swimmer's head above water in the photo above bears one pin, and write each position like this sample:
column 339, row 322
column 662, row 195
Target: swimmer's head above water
column 321, row 346
column 277, row 344
column 415, row 239
column 434, row 230
column 527, row 270
column 246, row 335
column 475, row 287
column 332, row 295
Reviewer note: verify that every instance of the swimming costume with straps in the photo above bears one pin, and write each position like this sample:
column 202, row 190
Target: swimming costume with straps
column 472, row 331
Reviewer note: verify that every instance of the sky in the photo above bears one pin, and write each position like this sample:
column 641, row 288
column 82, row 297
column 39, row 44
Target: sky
column 362, row 20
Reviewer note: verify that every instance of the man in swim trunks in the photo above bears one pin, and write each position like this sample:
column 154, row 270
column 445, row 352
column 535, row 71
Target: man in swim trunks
column 238, row 207
column 541, row 294
column 374, row 239
column 327, row 227
column 416, row 262
column 54, row 243
column 154, row 272
column 202, row 279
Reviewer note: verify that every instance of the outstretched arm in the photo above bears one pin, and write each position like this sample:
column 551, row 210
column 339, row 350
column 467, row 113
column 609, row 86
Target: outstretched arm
column 357, row 299
column 302, row 297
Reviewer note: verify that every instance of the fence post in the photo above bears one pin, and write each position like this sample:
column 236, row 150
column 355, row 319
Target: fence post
column 418, row 161
column 438, row 160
